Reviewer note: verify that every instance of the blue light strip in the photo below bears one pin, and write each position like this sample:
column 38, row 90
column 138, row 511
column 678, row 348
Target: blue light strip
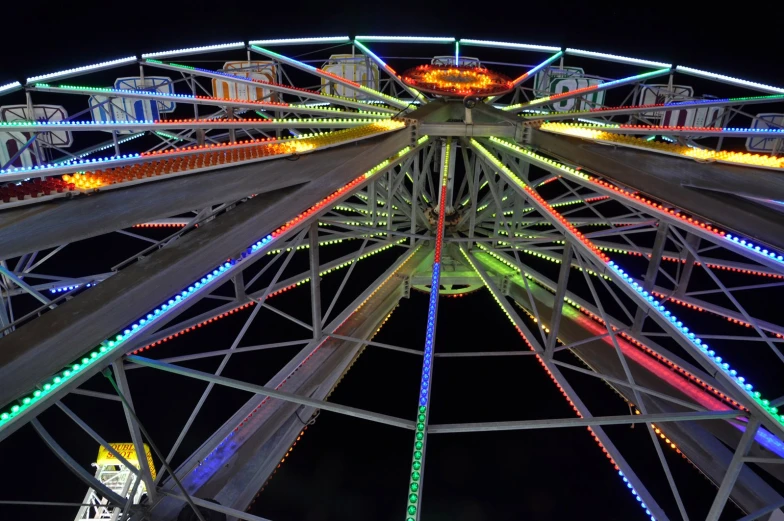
column 80, row 70
column 373, row 55
column 509, row 45
column 424, row 390
column 544, row 64
column 417, row 463
column 751, row 246
column 729, row 79
column 411, row 39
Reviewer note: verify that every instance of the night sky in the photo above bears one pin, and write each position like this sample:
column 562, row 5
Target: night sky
column 345, row 469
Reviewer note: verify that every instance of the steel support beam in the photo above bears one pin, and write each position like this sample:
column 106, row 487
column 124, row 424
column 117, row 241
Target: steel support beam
column 113, row 498
column 733, row 470
column 268, row 391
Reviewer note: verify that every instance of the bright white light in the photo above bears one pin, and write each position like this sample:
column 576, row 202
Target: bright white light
column 79, row 70
column 297, row 41
column 421, row 39
column 728, row 79
column 194, row 50
column 10, row 86
column 508, row 45
column 616, row 58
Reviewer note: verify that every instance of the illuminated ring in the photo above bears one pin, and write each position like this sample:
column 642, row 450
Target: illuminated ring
column 448, row 80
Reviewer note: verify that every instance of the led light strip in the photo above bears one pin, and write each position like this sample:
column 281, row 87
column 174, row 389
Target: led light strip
column 8, row 87
column 79, row 70
column 585, row 90
column 677, row 130
column 413, row 39
column 709, row 354
column 667, row 298
column 417, row 460
column 328, row 75
column 508, row 45
column 711, row 265
column 728, row 79
column 418, row 97
column 563, row 391
column 275, row 293
column 651, row 205
column 375, row 57
column 195, row 50
column 65, row 289
column 763, row 437
column 301, row 41
column 223, row 102
column 533, row 71
column 655, row 107
column 113, row 345
column 616, row 58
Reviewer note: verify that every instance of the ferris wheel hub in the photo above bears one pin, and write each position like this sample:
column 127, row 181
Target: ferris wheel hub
column 457, row 81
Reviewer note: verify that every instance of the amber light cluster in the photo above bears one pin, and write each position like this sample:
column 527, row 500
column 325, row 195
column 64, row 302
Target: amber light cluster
column 164, row 164
column 34, row 188
column 701, row 309
column 449, row 80
column 185, row 159
column 699, row 154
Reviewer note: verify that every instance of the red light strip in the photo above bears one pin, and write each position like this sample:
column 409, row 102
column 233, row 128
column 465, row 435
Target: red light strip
column 698, row 308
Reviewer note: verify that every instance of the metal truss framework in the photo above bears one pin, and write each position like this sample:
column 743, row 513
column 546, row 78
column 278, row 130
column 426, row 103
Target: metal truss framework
column 223, row 215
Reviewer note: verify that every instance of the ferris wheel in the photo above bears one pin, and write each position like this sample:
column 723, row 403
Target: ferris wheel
column 623, row 215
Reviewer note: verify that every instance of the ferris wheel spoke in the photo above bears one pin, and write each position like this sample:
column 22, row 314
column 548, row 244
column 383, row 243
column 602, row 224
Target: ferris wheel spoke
column 275, row 87
column 655, row 108
column 415, row 94
column 630, row 378
column 209, row 101
column 675, row 216
column 324, row 75
column 529, row 74
column 595, row 88
column 87, row 217
column 647, row 130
